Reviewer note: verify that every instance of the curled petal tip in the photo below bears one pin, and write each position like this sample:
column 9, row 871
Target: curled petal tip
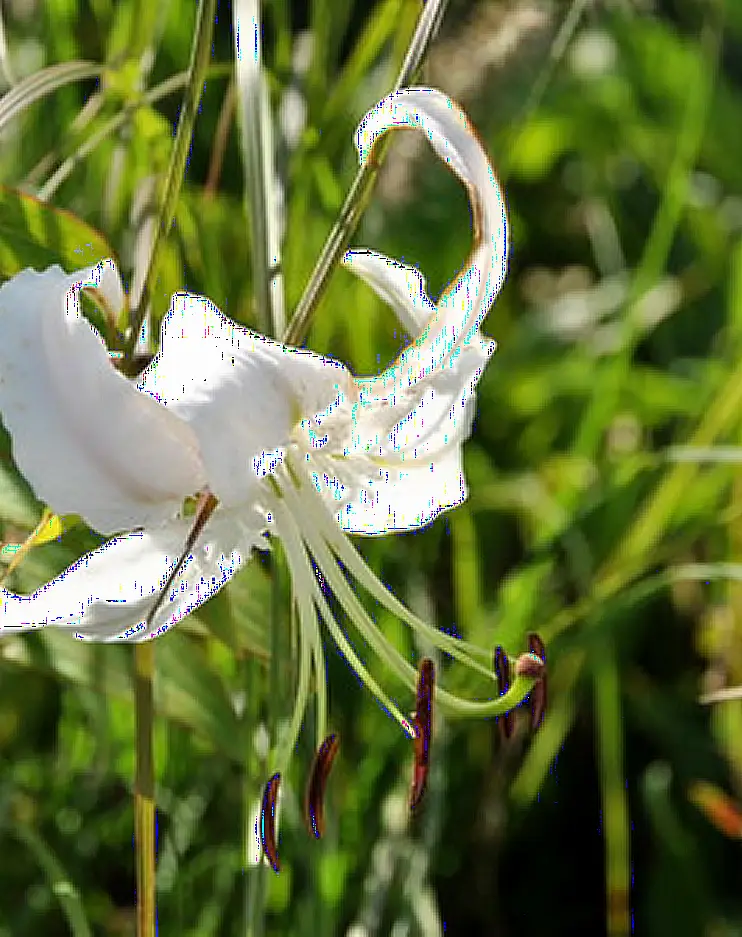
column 268, row 821
column 314, row 811
column 451, row 135
column 423, row 727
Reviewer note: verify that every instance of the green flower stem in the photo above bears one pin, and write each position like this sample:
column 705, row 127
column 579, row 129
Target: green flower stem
column 363, row 184
column 144, row 791
column 200, row 55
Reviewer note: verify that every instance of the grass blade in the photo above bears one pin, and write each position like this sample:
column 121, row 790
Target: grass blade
column 200, row 55
column 256, row 143
column 42, row 83
column 59, row 882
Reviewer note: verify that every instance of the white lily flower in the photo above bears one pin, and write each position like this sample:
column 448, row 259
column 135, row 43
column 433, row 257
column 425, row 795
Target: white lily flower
column 288, row 441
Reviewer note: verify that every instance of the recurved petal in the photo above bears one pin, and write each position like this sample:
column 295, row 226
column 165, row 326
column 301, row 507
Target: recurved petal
column 88, row 442
column 403, row 495
column 240, row 392
column 402, row 463
column 467, row 300
column 422, row 420
column 398, row 285
column 109, row 593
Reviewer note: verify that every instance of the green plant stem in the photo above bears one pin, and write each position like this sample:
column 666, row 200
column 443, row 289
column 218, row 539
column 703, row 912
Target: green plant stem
column 616, row 823
column 200, row 55
column 144, row 789
column 363, row 184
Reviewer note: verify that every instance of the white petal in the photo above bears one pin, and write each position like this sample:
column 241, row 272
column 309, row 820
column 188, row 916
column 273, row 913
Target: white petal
column 88, row 442
column 400, row 464
column 398, row 496
column 399, row 286
column 467, row 300
column 402, row 460
column 242, row 393
column 430, row 416
column 109, row 592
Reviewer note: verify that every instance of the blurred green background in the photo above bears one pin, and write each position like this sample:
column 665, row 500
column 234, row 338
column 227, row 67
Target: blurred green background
column 605, row 507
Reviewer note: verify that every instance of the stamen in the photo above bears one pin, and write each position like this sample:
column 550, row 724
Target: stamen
column 505, row 721
column 327, row 527
column 314, row 810
column 320, row 673
column 320, row 530
column 538, row 693
column 310, row 636
column 305, row 580
column 423, row 727
column 352, row 606
column 207, row 504
column 288, row 741
column 268, row 821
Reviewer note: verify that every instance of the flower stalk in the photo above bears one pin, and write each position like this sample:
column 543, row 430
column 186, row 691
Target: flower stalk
column 144, row 789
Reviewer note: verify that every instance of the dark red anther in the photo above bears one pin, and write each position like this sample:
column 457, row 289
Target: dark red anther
column 314, row 801
column 268, row 821
column 423, row 725
column 506, row 721
column 538, row 693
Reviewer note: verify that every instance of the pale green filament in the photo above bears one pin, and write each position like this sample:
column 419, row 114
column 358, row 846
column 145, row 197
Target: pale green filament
column 453, row 704
column 304, row 578
column 355, row 563
column 303, row 500
column 288, row 742
column 310, row 632
column 349, row 601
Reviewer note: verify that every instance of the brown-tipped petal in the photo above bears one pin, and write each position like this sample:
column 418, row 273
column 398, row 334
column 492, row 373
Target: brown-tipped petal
column 538, row 693
column 268, row 821
column 423, row 725
column 506, row 721
column 314, row 801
